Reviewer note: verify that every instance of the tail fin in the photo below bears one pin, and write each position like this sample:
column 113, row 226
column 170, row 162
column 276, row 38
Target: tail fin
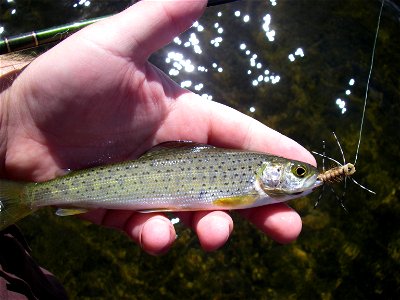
column 14, row 204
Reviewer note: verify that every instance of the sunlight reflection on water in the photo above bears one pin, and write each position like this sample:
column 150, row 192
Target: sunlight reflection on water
column 183, row 66
column 186, row 65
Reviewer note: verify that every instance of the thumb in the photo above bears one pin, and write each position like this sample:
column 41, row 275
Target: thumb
column 144, row 27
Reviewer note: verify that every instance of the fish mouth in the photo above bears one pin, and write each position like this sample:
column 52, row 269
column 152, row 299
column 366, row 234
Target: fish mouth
column 312, row 182
column 317, row 184
column 297, row 193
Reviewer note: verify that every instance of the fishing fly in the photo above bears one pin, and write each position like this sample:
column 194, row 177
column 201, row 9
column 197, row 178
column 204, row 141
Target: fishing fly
column 344, row 171
column 341, row 172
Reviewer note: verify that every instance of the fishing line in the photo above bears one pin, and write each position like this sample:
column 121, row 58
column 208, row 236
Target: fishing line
column 368, row 80
column 362, row 122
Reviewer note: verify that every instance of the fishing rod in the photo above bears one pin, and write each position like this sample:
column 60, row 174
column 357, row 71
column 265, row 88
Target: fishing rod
column 55, row 34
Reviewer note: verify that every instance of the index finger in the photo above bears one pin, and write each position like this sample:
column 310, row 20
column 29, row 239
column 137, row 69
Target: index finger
column 191, row 117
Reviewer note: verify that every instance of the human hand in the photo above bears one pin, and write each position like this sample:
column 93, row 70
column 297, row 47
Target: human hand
column 95, row 99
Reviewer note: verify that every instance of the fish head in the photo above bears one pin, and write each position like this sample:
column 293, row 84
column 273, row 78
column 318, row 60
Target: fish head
column 285, row 179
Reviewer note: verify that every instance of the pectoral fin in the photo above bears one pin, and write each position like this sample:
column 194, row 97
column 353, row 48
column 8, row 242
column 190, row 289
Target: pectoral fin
column 236, row 201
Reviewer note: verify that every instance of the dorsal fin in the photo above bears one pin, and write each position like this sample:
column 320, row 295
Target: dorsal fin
column 176, row 146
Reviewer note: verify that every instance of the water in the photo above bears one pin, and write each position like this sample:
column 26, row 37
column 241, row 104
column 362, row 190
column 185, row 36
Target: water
column 300, row 67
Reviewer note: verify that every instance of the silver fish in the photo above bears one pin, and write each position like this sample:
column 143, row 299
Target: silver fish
column 173, row 176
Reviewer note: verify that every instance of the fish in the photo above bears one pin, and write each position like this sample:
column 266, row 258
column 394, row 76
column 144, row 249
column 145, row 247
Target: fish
column 172, row 176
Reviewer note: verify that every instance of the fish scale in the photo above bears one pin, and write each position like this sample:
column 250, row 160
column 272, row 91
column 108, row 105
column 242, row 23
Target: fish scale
column 173, row 176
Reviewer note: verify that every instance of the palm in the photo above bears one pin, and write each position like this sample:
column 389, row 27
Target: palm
column 106, row 112
column 91, row 101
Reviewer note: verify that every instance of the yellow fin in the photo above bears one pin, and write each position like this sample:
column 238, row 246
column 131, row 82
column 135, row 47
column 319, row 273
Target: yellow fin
column 63, row 212
column 236, row 201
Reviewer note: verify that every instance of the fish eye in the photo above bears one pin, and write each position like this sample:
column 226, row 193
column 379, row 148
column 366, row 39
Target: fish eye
column 299, row 170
